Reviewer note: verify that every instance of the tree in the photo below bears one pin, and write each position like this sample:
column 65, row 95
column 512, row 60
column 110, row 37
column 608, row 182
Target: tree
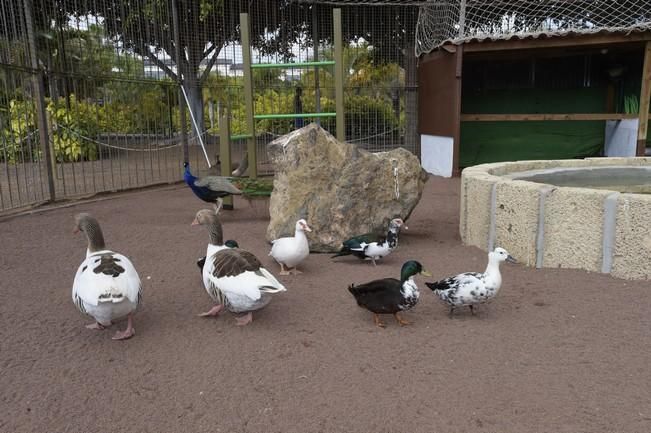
column 146, row 27
column 205, row 26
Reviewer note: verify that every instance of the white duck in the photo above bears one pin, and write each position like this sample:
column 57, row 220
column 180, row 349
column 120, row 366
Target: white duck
column 472, row 288
column 234, row 278
column 106, row 286
column 290, row 251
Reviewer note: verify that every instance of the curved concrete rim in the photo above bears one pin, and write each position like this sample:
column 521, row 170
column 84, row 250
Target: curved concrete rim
column 544, row 225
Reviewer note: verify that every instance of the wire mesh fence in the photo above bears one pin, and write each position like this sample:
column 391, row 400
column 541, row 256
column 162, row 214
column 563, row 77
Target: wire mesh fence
column 462, row 20
column 96, row 85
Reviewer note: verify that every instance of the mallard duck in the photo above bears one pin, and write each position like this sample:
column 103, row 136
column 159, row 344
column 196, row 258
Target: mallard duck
column 291, row 251
column 234, row 278
column 371, row 246
column 472, row 288
column 390, row 296
column 106, row 286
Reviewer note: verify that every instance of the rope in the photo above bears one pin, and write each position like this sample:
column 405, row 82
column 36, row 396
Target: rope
column 394, row 163
column 130, row 149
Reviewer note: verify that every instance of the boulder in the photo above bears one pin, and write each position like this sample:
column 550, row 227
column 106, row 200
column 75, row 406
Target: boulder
column 341, row 190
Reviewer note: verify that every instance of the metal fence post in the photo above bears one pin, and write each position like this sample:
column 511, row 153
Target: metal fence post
column 38, row 84
column 248, row 95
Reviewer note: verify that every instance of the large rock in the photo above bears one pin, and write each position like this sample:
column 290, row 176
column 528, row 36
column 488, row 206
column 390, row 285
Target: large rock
column 339, row 189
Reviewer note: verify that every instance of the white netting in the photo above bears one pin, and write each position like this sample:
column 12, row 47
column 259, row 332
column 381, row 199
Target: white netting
column 457, row 21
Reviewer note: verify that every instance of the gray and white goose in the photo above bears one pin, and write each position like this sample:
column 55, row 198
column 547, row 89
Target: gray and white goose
column 106, row 286
column 472, row 288
column 234, row 278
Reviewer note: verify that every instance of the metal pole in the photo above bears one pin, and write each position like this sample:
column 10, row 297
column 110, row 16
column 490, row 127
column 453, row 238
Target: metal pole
column 179, row 73
column 462, row 19
column 225, row 152
column 38, row 83
column 339, row 75
column 248, row 95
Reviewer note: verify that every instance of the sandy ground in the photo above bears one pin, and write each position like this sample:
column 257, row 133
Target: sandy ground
column 557, row 351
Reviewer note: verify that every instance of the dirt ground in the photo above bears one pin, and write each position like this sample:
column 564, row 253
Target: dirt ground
column 557, row 351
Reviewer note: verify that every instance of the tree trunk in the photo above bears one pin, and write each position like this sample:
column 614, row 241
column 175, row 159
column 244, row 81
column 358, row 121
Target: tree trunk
column 195, row 100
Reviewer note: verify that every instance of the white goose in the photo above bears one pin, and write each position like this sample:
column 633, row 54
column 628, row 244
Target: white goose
column 472, row 288
column 106, row 286
column 234, row 278
column 290, row 251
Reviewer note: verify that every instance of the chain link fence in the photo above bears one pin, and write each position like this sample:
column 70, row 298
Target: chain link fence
column 91, row 100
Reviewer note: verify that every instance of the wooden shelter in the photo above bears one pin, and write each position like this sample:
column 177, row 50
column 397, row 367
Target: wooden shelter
column 500, row 91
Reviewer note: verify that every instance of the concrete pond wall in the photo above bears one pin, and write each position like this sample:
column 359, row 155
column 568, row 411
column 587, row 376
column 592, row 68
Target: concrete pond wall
column 549, row 226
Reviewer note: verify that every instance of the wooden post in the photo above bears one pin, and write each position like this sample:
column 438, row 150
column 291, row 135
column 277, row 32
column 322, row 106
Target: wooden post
column 339, row 75
column 38, row 84
column 315, row 41
column 457, row 111
column 645, row 96
column 248, row 95
column 225, row 151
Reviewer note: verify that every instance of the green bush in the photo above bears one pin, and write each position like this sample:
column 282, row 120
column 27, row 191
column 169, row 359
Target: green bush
column 72, row 130
column 21, row 124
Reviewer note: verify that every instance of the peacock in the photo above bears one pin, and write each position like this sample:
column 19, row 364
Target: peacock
column 212, row 189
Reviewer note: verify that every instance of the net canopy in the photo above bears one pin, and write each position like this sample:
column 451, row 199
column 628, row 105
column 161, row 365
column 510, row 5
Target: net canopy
column 459, row 21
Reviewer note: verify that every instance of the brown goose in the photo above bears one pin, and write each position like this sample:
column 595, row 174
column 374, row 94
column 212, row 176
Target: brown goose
column 106, row 286
column 233, row 277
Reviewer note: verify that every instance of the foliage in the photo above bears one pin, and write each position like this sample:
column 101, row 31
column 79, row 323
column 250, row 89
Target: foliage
column 631, row 104
column 72, row 130
column 260, row 187
column 19, row 133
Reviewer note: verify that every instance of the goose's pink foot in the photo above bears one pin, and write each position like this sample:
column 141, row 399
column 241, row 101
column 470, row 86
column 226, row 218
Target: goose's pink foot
column 214, row 311
column 295, row 271
column 98, row 326
column 244, row 320
column 127, row 333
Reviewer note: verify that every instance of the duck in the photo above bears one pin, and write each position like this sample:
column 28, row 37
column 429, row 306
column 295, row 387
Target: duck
column 292, row 250
column 210, row 189
column 372, row 247
column 389, row 295
column 473, row 288
column 106, row 286
column 234, row 278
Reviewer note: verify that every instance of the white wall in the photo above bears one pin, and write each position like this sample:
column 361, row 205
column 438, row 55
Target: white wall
column 436, row 154
column 621, row 137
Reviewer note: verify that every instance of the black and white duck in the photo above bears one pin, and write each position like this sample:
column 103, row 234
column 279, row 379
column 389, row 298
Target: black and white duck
column 371, row 246
column 234, row 278
column 389, row 295
column 472, row 288
column 106, row 286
